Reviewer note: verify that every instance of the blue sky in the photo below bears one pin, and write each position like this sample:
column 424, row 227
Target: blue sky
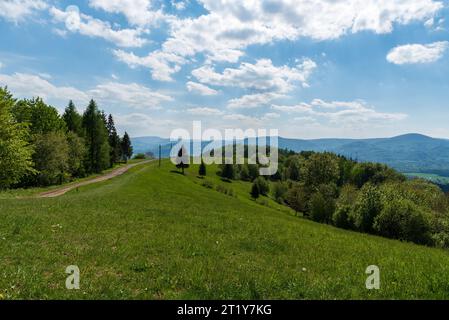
column 310, row 68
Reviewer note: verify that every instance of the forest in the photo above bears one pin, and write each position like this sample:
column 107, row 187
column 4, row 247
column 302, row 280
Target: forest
column 360, row 196
column 39, row 147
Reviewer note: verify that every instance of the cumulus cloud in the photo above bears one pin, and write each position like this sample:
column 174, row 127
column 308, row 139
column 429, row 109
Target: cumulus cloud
column 18, row 10
column 418, row 53
column 253, row 100
column 200, row 89
column 26, row 85
column 230, row 26
column 205, row 111
column 137, row 12
column 131, row 95
column 352, row 113
column 77, row 22
column 262, row 75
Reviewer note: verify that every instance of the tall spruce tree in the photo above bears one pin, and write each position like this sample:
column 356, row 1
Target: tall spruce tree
column 73, row 119
column 127, row 149
column 114, row 141
column 97, row 141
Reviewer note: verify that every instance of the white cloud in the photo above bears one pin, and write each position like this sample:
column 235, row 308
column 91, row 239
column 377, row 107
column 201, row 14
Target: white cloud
column 418, row 53
column 259, row 76
column 28, row 85
column 77, row 22
column 253, row 100
column 350, row 113
column 140, row 124
column 200, row 88
column 230, row 26
column 204, row 111
column 163, row 64
column 179, row 4
column 131, row 95
column 137, row 12
column 18, row 10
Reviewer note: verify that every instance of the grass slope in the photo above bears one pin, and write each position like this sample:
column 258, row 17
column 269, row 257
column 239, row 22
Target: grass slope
column 155, row 234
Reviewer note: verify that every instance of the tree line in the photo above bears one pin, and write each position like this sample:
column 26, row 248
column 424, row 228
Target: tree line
column 39, row 147
column 366, row 197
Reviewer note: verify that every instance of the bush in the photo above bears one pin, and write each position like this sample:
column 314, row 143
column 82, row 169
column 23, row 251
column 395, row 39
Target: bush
column 244, row 173
column 208, row 184
column 367, row 206
column 255, row 193
column 140, row 156
column 280, row 190
column 321, row 207
column 402, row 219
column 298, row 197
column 227, row 172
column 263, row 185
column 202, row 169
column 342, row 218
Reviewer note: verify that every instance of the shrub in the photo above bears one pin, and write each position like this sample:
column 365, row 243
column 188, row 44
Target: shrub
column 140, row 156
column 202, row 169
column 280, row 190
column 208, row 184
column 263, row 185
column 367, row 206
column 298, row 197
column 341, row 217
column 227, row 171
column 402, row 219
column 244, row 173
column 321, row 207
column 255, row 193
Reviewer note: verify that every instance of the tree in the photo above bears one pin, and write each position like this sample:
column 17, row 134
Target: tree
column 367, row 206
column 263, row 186
column 15, row 151
column 182, row 160
column 73, row 119
column 321, row 207
column 227, row 171
column 298, row 198
column 51, row 158
column 41, row 117
column 114, row 141
column 320, row 168
column 255, row 191
column 202, row 169
column 77, row 154
column 127, row 149
column 98, row 156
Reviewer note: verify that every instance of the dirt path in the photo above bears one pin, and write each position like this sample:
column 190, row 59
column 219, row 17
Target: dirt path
column 110, row 175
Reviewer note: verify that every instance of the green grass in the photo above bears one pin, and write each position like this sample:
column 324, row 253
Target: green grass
column 155, row 234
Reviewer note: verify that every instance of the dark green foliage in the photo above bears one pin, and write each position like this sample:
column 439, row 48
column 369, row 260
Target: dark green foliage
column 403, row 220
column 280, row 190
column 227, row 171
column 183, row 159
column 244, row 173
column 140, row 156
column 321, row 207
column 114, row 141
column 298, row 198
column 126, row 147
column 202, row 169
column 253, row 170
column 342, row 217
column 255, row 193
column 263, row 186
column 73, row 119
column 98, row 156
column 375, row 173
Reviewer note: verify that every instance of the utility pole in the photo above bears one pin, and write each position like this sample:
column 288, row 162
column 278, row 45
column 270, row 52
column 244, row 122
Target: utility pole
column 160, row 151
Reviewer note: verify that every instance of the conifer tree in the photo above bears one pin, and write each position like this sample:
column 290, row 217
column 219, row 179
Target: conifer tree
column 114, row 141
column 73, row 119
column 202, row 169
column 127, row 149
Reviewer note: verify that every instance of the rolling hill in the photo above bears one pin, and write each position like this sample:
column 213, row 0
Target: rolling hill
column 155, row 234
column 406, row 153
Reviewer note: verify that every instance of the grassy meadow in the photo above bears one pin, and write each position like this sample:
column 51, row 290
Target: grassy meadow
column 155, row 234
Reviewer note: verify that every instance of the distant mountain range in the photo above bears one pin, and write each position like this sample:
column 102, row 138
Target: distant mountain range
column 406, row 153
